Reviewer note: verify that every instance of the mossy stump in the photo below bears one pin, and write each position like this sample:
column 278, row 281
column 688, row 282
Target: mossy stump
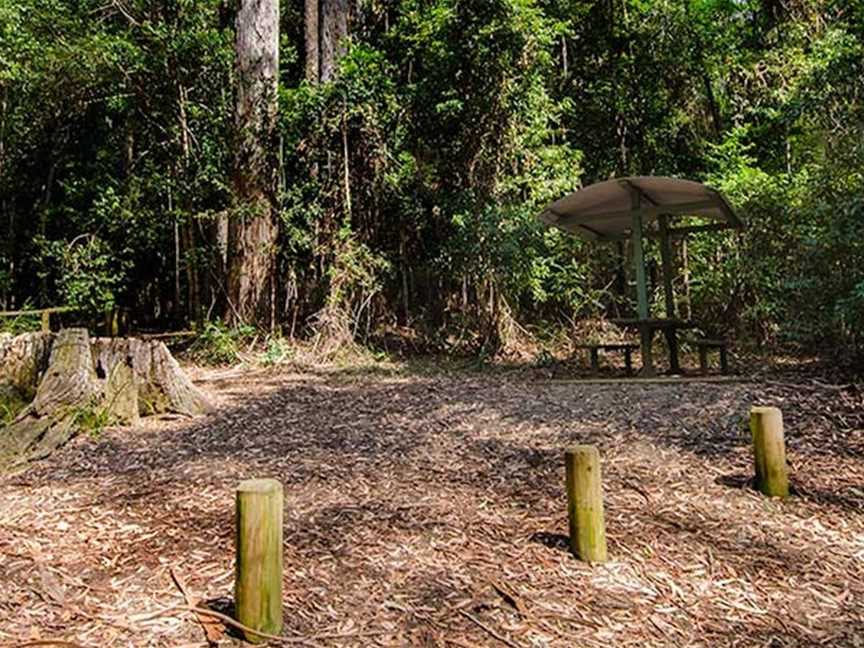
column 73, row 378
column 585, row 503
column 769, row 451
column 258, row 567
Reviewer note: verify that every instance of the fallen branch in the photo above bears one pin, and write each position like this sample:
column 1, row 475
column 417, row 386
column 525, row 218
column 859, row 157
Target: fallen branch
column 212, row 631
column 490, row 631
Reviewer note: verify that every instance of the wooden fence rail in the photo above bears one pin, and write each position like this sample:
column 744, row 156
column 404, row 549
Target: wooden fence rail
column 44, row 313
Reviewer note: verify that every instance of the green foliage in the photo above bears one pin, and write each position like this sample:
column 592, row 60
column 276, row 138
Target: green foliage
column 11, row 404
column 89, row 272
column 91, row 419
column 278, row 351
column 408, row 185
column 20, row 323
column 219, row 344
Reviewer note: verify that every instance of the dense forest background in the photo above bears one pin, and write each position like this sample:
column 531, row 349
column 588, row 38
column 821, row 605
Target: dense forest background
column 414, row 142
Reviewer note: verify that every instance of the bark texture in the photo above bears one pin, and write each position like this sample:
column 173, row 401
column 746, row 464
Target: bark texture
column 310, row 31
column 78, row 381
column 333, row 36
column 158, row 380
column 253, row 229
column 325, row 27
column 23, row 360
column 67, row 389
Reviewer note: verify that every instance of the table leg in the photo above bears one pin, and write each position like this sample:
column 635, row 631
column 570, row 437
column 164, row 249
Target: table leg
column 645, row 335
column 628, row 360
column 595, row 360
column 672, row 342
column 703, row 360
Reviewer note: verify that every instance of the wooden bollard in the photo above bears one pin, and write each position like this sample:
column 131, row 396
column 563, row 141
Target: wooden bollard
column 258, row 567
column 769, row 451
column 585, row 503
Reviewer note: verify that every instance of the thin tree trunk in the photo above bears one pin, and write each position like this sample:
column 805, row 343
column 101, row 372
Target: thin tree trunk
column 193, row 278
column 253, row 229
column 406, row 295
column 346, row 169
column 43, row 224
column 219, row 261
column 177, row 253
column 7, row 295
column 564, row 59
column 712, row 103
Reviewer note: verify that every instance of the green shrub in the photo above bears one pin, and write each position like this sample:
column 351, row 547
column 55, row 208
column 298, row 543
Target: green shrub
column 219, row 344
column 278, row 351
column 11, row 404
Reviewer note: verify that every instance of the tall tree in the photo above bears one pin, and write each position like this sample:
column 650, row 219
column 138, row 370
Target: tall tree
column 333, row 36
column 326, row 35
column 311, row 29
column 253, row 228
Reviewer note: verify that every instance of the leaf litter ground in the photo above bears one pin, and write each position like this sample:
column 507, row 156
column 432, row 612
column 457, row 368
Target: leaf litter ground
column 428, row 510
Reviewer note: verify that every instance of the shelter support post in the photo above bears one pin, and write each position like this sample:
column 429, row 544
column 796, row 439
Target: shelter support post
column 672, row 343
column 639, row 262
column 646, row 336
column 645, row 333
column 666, row 259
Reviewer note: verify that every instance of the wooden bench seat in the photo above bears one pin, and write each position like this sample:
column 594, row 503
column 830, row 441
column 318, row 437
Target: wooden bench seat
column 627, row 347
column 706, row 345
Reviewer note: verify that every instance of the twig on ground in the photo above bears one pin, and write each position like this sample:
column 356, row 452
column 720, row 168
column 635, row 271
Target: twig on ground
column 490, row 631
column 48, row 642
column 212, row 631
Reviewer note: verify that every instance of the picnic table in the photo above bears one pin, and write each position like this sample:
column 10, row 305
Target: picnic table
column 647, row 327
column 625, row 209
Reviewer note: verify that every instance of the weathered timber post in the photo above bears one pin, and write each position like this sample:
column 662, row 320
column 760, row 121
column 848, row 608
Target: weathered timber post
column 585, row 503
column 769, row 451
column 258, row 568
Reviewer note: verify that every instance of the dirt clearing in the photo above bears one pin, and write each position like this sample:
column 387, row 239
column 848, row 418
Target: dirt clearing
column 429, row 510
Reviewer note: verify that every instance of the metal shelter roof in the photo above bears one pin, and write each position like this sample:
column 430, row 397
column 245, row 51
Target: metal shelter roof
column 604, row 211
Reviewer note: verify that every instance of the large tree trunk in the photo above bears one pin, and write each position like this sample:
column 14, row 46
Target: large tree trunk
column 310, row 29
column 85, row 381
column 333, row 36
column 253, row 228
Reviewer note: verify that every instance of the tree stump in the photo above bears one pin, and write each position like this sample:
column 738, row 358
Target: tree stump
column 160, row 382
column 73, row 379
column 67, row 388
column 23, row 360
column 121, row 392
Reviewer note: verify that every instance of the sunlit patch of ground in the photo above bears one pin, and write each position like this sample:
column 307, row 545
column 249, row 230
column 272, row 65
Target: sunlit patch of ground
column 427, row 509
